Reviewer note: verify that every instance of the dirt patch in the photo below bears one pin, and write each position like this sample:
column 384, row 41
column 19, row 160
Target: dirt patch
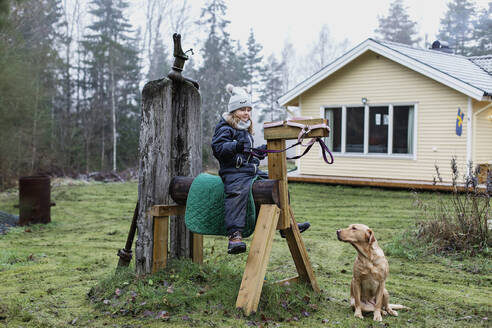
column 7, row 221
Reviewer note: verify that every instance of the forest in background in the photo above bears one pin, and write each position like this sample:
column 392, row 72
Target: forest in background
column 71, row 74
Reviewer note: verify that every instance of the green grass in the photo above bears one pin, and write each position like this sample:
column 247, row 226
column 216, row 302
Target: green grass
column 63, row 273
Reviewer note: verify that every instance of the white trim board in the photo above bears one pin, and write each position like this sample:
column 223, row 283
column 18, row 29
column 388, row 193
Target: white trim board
column 380, row 49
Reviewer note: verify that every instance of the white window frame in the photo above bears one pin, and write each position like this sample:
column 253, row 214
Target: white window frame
column 366, row 153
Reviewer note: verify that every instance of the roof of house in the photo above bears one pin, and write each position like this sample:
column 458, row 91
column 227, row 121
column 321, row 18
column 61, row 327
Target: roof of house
column 485, row 62
column 470, row 75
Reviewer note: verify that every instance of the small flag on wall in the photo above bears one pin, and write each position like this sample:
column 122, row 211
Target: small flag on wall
column 459, row 122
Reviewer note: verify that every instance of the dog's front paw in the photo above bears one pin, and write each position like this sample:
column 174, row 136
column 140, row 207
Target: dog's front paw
column 392, row 312
column 358, row 314
column 377, row 316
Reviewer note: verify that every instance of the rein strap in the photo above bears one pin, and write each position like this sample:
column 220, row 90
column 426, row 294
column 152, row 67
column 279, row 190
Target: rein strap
column 305, row 129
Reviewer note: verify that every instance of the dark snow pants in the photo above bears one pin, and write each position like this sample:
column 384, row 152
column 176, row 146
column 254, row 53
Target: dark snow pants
column 236, row 188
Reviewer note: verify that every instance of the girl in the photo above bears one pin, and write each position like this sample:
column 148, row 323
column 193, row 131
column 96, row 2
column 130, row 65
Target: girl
column 230, row 144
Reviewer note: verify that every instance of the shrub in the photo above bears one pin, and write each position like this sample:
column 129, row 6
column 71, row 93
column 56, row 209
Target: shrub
column 460, row 221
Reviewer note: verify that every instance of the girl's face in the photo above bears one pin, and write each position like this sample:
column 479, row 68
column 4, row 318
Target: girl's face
column 243, row 113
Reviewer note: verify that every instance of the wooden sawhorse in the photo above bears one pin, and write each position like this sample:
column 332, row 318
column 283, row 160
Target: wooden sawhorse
column 272, row 218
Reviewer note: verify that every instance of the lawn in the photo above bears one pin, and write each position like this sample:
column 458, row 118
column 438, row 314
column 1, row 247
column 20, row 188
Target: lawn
column 47, row 271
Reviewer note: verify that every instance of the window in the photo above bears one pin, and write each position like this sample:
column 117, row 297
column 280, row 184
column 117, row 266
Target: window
column 379, row 130
column 403, row 130
column 355, row 130
column 334, row 117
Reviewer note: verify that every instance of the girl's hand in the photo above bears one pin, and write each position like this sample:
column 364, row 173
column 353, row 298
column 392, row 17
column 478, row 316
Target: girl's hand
column 240, row 147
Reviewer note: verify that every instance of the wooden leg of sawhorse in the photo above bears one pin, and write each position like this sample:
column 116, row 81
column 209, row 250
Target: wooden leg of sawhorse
column 160, row 214
column 299, row 253
column 197, row 248
column 160, row 251
column 159, row 257
column 256, row 264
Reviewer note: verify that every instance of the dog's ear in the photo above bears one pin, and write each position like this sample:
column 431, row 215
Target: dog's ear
column 370, row 236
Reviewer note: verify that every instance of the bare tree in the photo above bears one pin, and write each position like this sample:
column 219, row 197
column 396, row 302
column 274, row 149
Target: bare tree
column 179, row 17
column 154, row 13
column 288, row 69
column 324, row 50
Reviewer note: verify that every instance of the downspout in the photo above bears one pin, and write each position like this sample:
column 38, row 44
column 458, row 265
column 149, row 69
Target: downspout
column 469, row 134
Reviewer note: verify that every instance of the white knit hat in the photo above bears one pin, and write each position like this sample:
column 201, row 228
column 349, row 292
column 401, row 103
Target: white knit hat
column 239, row 98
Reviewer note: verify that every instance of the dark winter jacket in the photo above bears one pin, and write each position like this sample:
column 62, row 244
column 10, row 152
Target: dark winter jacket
column 224, row 144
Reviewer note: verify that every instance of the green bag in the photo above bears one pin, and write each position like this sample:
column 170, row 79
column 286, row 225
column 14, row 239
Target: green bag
column 205, row 207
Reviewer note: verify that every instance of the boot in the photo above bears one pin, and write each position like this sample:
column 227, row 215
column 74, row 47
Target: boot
column 236, row 244
column 302, row 227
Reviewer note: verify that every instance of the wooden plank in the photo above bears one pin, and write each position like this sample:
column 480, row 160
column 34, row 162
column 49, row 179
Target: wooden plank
column 299, row 254
column 377, row 182
column 287, row 281
column 277, row 170
column 256, row 264
column 197, row 248
column 289, row 132
column 167, row 210
column 159, row 255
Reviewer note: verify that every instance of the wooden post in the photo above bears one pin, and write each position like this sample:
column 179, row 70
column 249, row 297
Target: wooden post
column 299, row 253
column 161, row 214
column 197, row 248
column 256, row 264
column 277, row 170
column 161, row 225
column 170, row 145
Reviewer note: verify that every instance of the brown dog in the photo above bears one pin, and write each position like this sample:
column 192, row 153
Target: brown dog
column 367, row 290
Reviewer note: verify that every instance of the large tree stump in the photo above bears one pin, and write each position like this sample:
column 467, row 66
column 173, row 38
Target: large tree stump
column 170, row 145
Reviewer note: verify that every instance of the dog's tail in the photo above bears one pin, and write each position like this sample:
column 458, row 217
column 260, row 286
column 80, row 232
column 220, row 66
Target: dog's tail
column 398, row 307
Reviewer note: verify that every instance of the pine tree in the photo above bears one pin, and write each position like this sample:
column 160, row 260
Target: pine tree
column 482, row 33
column 160, row 63
column 457, row 26
column 222, row 64
column 271, row 90
column 28, row 61
column 253, row 61
column 397, row 26
column 114, row 72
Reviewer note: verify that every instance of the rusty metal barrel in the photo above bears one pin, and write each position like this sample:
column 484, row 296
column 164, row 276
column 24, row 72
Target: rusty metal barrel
column 34, row 200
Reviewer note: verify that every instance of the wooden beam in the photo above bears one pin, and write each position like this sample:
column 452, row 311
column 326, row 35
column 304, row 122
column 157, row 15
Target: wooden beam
column 277, row 170
column 299, row 254
column 197, row 248
column 265, row 191
column 167, row 210
column 256, row 264
column 290, row 132
column 287, row 281
column 159, row 255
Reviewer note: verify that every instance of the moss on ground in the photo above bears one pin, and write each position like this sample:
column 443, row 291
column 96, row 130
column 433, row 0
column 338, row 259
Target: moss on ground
column 63, row 274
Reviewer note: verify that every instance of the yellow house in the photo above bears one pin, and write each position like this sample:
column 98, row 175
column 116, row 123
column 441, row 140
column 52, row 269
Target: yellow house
column 397, row 112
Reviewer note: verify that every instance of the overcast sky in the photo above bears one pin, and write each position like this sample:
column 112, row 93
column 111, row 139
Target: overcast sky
column 275, row 21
